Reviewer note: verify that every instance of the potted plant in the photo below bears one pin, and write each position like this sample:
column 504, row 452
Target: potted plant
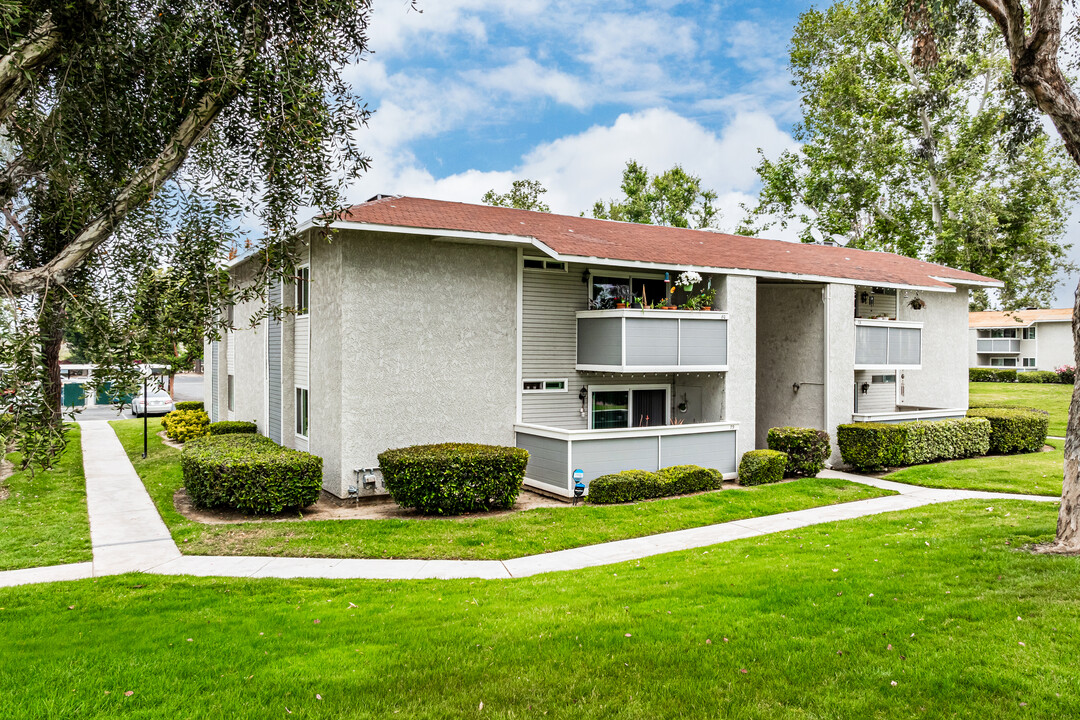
column 706, row 299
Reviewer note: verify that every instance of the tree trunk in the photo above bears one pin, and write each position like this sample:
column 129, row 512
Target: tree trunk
column 51, row 329
column 1068, row 525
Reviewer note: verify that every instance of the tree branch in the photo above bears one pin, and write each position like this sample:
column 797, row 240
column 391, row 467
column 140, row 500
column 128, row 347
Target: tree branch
column 146, row 182
column 13, row 176
column 33, row 51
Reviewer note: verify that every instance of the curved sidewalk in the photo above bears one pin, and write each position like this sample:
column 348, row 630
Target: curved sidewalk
column 128, row 534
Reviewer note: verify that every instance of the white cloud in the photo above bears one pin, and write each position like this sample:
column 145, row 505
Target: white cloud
column 525, row 78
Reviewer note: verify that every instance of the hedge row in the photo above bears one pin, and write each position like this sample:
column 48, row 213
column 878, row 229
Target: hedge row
column 189, row 405
column 872, row 446
column 1038, row 376
column 987, row 375
column 249, row 473
column 633, row 485
column 1065, row 374
column 807, row 449
column 758, row 467
column 453, row 478
column 184, row 425
column 229, row 427
column 1014, row 430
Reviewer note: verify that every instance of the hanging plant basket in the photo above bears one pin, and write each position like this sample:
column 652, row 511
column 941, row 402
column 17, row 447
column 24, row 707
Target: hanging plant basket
column 917, row 303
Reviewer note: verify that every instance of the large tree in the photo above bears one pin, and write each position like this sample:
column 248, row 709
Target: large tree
column 116, row 114
column 674, row 198
column 945, row 161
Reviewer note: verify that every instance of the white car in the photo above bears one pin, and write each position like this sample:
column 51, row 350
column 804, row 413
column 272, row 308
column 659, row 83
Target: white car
column 158, row 402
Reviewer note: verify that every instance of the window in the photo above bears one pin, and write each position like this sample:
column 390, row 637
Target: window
column 1003, row 333
column 537, row 386
column 607, row 290
column 302, row 412
column 882, row 378
column 1002, row 362
column 628, row 407
column 229, row 384
column 1029, row 333
column 541, row 264
column 303, row 283
column 1029, row 362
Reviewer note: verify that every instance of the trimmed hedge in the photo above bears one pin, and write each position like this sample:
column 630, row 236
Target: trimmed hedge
column 250, row 473
column 1014, row 430
column 632, row 485
column 989, row 375
column 807, row 449
column 454, row 478
column 1037, row 376
column 625, row 486
column 230, row 427
column 872, row 446
column 759, row 467
column 184, row 425
column 189, row 405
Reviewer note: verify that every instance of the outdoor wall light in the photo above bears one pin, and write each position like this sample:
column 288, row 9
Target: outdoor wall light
column 583, row 395
column 864, row 388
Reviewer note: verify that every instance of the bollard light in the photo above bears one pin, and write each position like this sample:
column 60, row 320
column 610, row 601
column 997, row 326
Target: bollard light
column 579, row 486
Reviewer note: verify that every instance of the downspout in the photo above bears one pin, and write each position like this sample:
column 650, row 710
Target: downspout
column 825, row 298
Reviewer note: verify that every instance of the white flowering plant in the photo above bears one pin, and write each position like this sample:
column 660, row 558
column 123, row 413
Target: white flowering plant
column 688, row 279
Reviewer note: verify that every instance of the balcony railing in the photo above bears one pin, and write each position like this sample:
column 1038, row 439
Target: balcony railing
column 887, row 345
column 652, row 341
column 997, row 345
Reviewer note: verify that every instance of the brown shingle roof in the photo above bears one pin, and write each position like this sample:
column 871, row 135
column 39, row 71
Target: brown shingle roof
column 675, row 247
column 1017, row 318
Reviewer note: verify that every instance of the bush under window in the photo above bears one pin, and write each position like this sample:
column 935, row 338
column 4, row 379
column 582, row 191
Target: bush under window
column 229, row 427
column 759, row 467
column 1014, row 430
column 249, row 473
column 873, row 446
column 807, row 449
column 454, row 478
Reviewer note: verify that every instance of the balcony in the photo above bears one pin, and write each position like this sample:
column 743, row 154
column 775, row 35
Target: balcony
column 554, row 453
column 888, row 345
column 635, row 341
column 998, row 346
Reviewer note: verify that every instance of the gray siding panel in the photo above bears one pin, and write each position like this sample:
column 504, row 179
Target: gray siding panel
column 547, row 460
column 871, row 345
column 905, row 346
column 273, row 374
column 713, row 450
column 599, row 341
column 600, row 457
column 652, row 341
column 703, row 342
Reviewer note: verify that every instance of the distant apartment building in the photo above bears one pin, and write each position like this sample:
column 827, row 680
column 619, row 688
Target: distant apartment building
column 1021, row 339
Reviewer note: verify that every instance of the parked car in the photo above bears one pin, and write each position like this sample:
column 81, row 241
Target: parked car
column 158, row 402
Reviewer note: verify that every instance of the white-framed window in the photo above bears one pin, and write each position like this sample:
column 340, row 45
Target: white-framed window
column 1002, row 362
column 544, row 386
column 605, row 289
column 624, row 406
column 883, row 378
column 535, row 263
column 1003, row 333
column 1029, row 333
column 303, row 289
column 301, row 412
column 1029, row 362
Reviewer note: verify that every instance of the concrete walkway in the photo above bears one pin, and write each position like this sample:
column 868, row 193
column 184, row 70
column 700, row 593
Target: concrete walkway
column 128, row 534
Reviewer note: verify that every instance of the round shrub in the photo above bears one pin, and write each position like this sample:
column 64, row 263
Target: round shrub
column 807, row 449
column 625, row 486
column 684, row 479
column 250, row 473
column 1014, row 430
column 759, row 467
column 230, row 427
column 453, row 478
column 184, row 425
column 189, row 405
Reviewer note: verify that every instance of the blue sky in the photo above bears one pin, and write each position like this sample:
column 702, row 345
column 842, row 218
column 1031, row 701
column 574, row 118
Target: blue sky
column 471, row 94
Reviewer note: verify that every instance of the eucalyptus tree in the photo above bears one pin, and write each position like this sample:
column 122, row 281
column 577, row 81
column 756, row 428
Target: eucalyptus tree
column 115, row 114
column 523, row 195
column 674, row 198
column 946, row 161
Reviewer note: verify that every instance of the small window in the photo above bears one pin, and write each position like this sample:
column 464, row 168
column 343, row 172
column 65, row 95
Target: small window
column 1003, row 333
column 231, row 392
column 541, row 264
column 535, row 386
column 1029, row 333
column 303, row 284
column 302, row 412
column 1002, row 362
column 882, row 378
column 1029, row 362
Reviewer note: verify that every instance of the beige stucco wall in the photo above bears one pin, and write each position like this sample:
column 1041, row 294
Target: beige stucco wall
column 738, row 295
column 1054, row 345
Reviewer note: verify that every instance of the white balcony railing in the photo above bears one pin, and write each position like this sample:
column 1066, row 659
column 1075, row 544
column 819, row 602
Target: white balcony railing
column 629, row 340
column 997, row 345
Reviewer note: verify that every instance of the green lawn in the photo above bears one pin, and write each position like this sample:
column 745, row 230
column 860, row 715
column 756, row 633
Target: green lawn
column 1052, row 398
column 815, row 623
column 1032, row 474
column 44, row 520
column 500, row 537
